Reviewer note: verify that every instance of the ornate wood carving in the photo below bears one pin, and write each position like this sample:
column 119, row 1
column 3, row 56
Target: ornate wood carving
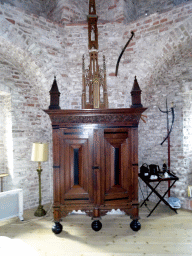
column 112, row 116
column 94, row 91
column 105, row 142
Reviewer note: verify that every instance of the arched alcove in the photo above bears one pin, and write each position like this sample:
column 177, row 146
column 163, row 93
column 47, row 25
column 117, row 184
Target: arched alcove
column 24, row 122
column 172, row 82
column 6, row 142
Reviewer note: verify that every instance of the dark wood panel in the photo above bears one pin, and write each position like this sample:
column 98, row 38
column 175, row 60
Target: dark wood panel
column 70, row 143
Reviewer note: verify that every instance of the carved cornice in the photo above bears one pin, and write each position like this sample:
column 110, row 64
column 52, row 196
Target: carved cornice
column 128, row 116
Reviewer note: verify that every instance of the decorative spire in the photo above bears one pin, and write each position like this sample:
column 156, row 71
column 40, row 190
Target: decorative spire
column 92, row 9
column 54, row 95
column 92, row 26
column 136, row 95
column 94, row 92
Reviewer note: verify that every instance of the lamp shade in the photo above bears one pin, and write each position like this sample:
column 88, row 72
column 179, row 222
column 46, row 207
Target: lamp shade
column 39, row 152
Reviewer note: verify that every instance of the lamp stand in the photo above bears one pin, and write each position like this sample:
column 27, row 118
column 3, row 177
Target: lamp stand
column 40, row 211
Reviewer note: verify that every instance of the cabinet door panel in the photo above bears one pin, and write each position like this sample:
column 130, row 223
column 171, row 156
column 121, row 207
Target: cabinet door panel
column 117, row 164
column 76, row 162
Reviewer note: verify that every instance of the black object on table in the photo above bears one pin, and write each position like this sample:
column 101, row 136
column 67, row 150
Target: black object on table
column 147, row 181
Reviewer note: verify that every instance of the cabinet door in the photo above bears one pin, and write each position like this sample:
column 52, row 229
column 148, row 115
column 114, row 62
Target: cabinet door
column 118, row 165
column 75, row 165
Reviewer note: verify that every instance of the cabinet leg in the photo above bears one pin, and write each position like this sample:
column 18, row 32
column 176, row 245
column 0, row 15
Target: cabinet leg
column 96, row 225
column 135, row 225
column 57, row 228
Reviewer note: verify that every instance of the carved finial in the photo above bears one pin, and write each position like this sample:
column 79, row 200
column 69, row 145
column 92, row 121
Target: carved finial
column 54, row 95
column 136, row 85
column 136, row 95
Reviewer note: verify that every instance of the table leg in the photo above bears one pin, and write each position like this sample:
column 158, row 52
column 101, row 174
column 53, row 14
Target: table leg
column 149, row 193
column 161, row 198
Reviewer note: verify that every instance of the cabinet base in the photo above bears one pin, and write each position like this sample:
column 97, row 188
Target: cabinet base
column 57, row 228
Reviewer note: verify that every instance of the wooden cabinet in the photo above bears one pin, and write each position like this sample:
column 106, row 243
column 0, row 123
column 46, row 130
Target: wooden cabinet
column 95, row 162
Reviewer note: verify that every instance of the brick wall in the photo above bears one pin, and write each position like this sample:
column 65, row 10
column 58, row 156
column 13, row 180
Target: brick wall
column 67, row 11
column 34, row 49
column 2, row 132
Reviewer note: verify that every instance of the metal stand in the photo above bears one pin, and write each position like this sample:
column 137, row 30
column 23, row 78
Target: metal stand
column 153, row 190
column 169, row 130
column 40, row 211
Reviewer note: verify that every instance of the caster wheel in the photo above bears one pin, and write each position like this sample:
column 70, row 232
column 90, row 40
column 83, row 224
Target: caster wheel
column 96, row 225
column 57, row 228
column 135, row 225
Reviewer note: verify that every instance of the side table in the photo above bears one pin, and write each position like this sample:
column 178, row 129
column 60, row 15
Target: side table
column 147, row 181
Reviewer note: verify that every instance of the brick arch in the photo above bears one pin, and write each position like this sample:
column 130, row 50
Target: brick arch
column 21, row 60
column 29, row 122
column 166, row 48
column 167, row 78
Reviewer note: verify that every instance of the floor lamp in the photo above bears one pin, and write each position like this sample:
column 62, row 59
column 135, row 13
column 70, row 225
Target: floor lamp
column 39, row 154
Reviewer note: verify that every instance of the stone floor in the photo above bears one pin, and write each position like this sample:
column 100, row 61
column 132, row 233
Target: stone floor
column 163, row 233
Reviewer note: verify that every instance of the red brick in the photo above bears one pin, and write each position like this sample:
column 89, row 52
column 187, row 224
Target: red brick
column 16, row 77
column 134, row 30
column 112, row 7
column 126, row 61
column 120, row 20
column 147, row 21
column 129, row 49
column 163, row 20
column 131, row 44
column 156, row 23
column 10, row 20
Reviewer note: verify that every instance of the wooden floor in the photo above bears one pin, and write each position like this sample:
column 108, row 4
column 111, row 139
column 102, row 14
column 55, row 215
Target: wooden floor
column 163, row 233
